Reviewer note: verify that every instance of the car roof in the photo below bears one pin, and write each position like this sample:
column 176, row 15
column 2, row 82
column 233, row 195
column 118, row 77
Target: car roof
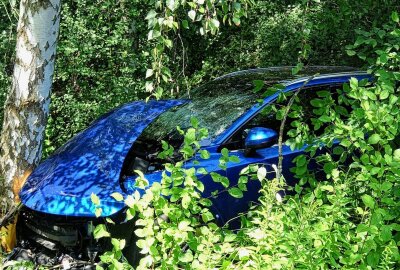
column 284, row 73
column 244, row 79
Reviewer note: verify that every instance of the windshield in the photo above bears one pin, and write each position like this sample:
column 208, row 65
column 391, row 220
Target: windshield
column 216, row 105
column 219, row 103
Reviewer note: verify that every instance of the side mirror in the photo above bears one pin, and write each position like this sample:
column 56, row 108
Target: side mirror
column 260, row 137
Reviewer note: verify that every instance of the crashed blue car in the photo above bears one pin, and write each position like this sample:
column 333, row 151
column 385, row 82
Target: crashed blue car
column 102, row 159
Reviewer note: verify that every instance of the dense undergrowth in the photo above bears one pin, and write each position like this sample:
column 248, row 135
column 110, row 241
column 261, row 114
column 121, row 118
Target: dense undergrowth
column 347, row 221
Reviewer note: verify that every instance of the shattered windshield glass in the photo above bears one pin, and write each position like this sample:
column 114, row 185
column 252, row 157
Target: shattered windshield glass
column 213, row 113
column 216, row 105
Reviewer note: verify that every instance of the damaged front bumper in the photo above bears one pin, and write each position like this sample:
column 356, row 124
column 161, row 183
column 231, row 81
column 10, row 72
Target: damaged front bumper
column 54, row 241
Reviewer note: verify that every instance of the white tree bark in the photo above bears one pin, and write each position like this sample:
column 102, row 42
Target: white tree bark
column 27, row 105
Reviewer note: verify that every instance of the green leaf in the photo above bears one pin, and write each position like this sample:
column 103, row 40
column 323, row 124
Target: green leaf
column 236, row 20
column 215, row 23
column 368, row 201
column 373, row 259
column 192, row 15
column 242, row 187
column 194, row 121
column 395, row 16
column 100, row 231
column 301, row 160
column 383, row 58
column 207, row 216
column 152, row 14
column 353, row 83
column 190, row 136
column 184, row 226
column 374, row 139
column 384, row 94
column 297, row 68
column 325, row 118
column 386, row 233
column 338, row 150
column 328, row 188
column 237, row 6
column 186, row 201
column 234, row 159
column 396, row 154
column 225, row 152
column 229, row 237
column 317, row 102
column 235, row 192
column 371, row 95
column 202, row 170
column 117, row 243
column 117, row 196
column 130, row 214
column 168, row 42
column 95, row 199
column 171, row 4
column 351, row 52
column 258, row 85
column 204, row 154
column 186, row 257
column 323, row 93
column 98, row 212
column 224, row 181
column 185, row 24
column 261, row 173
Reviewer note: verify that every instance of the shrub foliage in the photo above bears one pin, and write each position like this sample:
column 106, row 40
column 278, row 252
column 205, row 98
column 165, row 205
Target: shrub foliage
column 346, row 220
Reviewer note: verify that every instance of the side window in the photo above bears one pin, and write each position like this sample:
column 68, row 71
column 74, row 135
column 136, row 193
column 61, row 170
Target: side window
column 268, row 118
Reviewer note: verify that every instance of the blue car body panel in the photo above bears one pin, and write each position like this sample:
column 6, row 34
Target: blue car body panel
column 89, row 163
column 225, row 206
column 92, row 161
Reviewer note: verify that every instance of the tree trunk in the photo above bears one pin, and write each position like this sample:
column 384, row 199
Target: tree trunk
column 27, row 106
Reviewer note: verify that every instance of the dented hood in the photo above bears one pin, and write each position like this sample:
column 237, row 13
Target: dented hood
column 90, row 162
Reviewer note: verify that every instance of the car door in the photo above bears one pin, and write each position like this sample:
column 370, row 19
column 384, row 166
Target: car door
column 227, row 207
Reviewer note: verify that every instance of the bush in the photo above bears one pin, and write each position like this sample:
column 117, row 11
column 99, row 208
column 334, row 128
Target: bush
column 101, row 61
column 347, row 220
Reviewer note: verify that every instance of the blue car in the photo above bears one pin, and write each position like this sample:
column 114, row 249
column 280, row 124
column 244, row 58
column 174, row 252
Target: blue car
column 102, row 159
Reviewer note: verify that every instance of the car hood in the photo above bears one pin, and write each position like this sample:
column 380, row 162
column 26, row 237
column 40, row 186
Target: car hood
column 90, row 163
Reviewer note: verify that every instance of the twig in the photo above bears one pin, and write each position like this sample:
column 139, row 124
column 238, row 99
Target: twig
column 5, row 8
column 9, row 216
column 280, row 139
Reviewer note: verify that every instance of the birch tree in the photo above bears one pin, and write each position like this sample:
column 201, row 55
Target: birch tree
column 27, row 106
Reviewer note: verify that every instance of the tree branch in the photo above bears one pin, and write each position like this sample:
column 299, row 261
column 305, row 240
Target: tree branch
column 290, row 103
column 8, row 218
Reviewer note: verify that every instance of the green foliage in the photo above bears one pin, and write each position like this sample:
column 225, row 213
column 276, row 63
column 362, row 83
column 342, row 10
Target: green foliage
column 165, row 23
column 348, row 219
column 8, row 21
column 104, row 52
column 188, row 236
column 379, row 47
column 281, row 33
column 99, row 64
